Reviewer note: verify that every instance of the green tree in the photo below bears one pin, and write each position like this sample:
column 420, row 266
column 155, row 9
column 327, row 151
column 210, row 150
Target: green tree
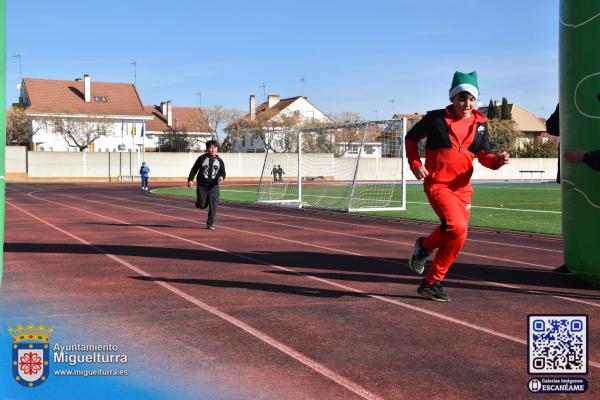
column 491, row 110
column 176, row 141
column 537, row 150
column 503, row 135
column 505, row 111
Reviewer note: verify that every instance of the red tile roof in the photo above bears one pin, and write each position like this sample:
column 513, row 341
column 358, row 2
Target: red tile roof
column 190, row 119
column 57, row 96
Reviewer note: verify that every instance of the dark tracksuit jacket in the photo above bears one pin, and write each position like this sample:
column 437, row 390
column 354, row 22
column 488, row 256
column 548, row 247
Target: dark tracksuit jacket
column 449, row 161
column 207, row 171
column 591, row 158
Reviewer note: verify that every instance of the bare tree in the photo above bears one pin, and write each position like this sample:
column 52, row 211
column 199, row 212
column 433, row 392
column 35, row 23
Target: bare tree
column 338, row 140
column 346, row 116
column 218, row 117
column 81, row 132
column 19, row 127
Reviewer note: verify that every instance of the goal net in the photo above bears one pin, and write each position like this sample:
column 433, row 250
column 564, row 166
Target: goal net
column 345, row 167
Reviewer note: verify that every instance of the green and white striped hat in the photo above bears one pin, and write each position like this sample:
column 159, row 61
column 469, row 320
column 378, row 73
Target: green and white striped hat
column 463, row 82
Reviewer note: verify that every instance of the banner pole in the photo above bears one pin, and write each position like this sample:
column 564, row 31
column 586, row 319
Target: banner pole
column 2, row 125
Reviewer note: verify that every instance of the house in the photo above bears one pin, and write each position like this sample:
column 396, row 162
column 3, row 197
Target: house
column 92, row 116
column 267, row 121
column 190, row 120
column 411, row 119
column 526, row 122
column 545, row 137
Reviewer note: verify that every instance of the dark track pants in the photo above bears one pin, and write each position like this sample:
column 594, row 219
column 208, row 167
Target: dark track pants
column 208, row 197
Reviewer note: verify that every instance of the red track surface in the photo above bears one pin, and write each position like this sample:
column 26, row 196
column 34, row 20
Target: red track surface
column 285, row 303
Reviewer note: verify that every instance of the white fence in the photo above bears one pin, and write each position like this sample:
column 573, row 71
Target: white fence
column 248, row 166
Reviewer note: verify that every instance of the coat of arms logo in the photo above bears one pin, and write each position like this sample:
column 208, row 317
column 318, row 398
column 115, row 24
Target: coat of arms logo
column 30, row 354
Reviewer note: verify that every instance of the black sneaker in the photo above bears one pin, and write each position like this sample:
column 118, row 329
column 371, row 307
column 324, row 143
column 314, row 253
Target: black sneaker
column 210, row 226
column 563, row 269
column 418, row 260
column 433, row 292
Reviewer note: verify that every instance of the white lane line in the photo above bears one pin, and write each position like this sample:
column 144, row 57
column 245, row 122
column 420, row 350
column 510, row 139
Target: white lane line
column 321, row 369
column 498, row 208
column 338, row 250
column 325, row 281
column 411, row 244
column 532, row 291
column 362, row 226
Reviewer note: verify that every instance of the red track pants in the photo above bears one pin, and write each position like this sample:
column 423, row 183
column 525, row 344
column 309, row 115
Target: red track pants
column 453, row 207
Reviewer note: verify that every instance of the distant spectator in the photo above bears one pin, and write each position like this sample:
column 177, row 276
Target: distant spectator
column 144, row 173
column 274, row 172
column 280, row 173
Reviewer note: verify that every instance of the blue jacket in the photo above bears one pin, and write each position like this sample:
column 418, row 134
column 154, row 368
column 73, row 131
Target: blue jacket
column 144, row 171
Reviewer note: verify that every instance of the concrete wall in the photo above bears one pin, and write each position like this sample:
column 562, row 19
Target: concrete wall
column 16, row 159
column 109, row 166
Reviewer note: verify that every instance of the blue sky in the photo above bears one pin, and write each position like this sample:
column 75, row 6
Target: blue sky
column 354, row 55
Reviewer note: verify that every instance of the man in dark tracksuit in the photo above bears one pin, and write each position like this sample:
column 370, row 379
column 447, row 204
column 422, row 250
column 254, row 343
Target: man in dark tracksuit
column 209, row 170
column 455, row 136
column 553, row 128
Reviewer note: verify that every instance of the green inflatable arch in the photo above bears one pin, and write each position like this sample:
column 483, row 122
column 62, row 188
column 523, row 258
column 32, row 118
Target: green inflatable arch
column 580, row 128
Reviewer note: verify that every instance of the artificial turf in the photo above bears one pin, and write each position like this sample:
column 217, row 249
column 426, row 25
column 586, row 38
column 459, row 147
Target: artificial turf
column 532, row 208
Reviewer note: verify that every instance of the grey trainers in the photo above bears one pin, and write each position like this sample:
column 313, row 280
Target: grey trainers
column 418, row 260
column 433, row 292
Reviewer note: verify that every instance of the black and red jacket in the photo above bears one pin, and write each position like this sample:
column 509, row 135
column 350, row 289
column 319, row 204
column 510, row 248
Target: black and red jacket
column 449, row 161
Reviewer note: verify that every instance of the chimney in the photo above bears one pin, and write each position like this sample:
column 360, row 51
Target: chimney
column 252, row 106
column 87, row 88
column 169, row 113
column 163, row 108
column 272, row 100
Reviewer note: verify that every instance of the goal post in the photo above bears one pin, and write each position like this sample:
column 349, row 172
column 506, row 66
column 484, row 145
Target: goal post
column 351, row 167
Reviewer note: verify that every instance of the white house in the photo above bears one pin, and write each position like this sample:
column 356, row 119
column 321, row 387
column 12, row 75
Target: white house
column 115, row 106
column 269, row 113
column 166, row 117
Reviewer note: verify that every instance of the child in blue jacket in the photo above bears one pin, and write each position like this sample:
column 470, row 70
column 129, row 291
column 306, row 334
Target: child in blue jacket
column 144, row 173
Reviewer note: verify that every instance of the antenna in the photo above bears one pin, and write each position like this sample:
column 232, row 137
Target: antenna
column 376, row 115
column 134, row 63
column 393, row 107
column 18, row 56
column 200, row 95
column 264, row 91
column 302, row 86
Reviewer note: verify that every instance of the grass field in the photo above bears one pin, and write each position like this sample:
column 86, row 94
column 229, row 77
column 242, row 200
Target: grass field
column 519, row 207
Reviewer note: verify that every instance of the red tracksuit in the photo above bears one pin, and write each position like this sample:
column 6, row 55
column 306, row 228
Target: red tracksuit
column 452, row 144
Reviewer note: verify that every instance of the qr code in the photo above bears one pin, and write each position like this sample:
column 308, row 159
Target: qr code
column 557, row 344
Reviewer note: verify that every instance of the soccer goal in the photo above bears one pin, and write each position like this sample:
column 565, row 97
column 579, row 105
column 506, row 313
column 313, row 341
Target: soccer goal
column 345, row 167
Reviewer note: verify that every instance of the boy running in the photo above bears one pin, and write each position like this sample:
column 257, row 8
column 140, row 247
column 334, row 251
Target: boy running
column 455, row 136
column 210, row 170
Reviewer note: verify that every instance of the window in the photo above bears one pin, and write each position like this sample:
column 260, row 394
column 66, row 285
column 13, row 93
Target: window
column 100, row 99
column 353, row 149
column 243, row 141
column 544, row 140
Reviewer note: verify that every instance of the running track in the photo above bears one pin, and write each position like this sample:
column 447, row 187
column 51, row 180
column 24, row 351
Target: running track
column 286, row 304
